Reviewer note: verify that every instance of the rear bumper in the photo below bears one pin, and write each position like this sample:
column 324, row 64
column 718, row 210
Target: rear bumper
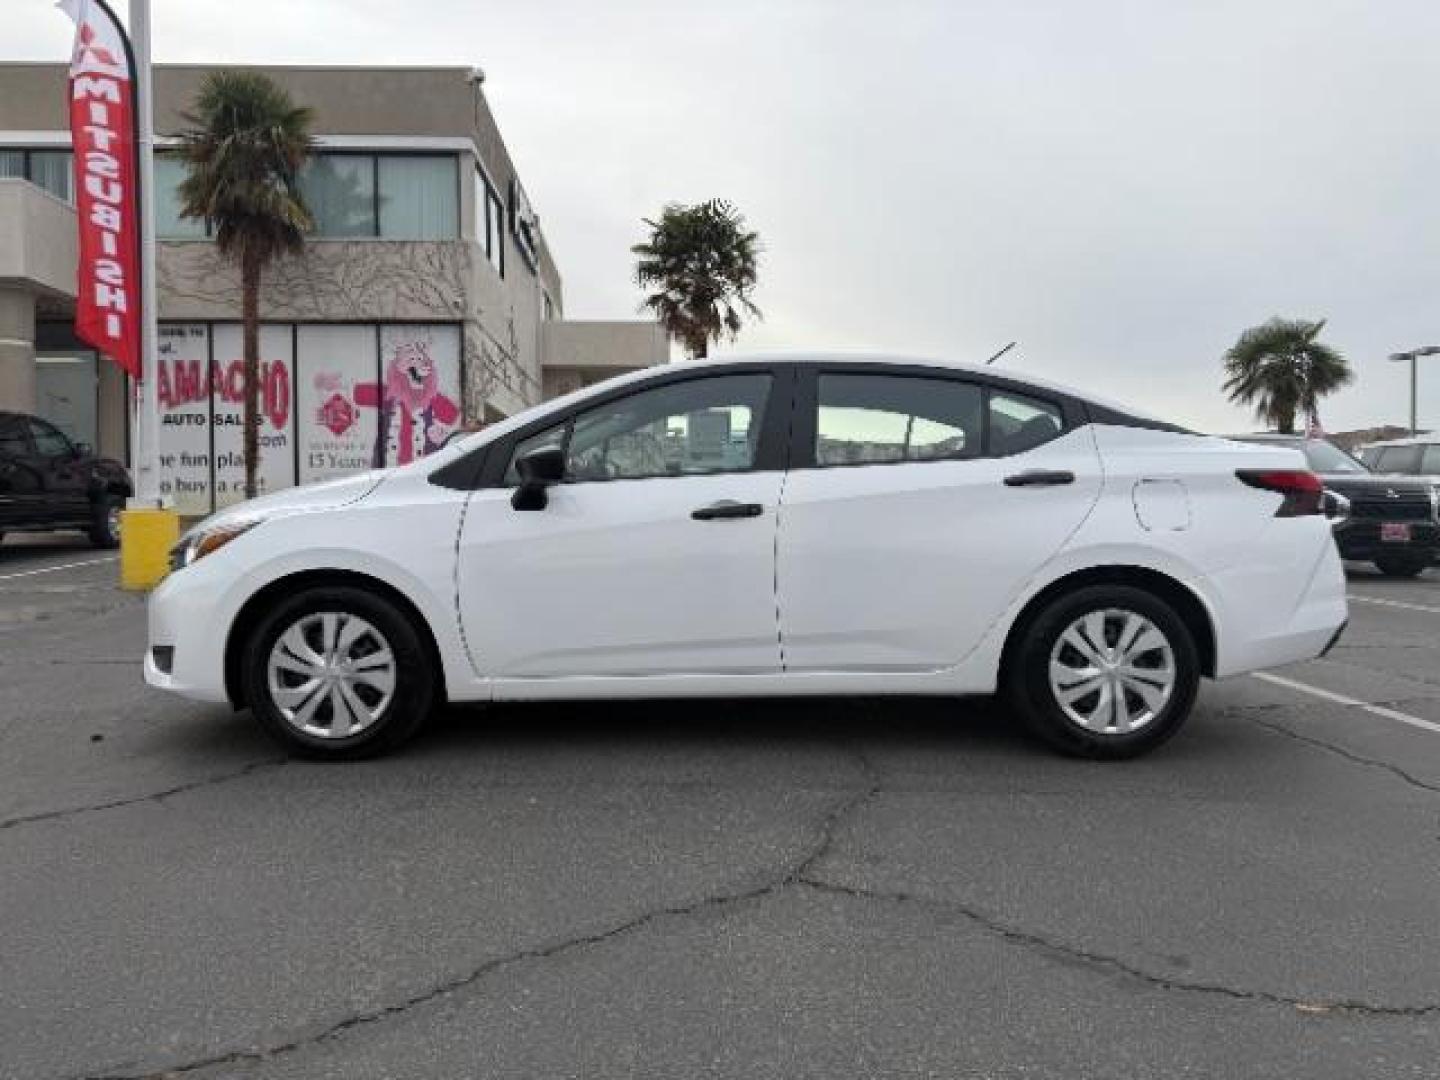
column 1261, row 629
column 1359, row 540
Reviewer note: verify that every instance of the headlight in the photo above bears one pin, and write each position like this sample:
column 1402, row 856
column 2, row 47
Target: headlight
column 198, row 543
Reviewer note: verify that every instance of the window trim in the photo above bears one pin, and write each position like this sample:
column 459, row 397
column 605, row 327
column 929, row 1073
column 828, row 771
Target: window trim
column 1073, row 412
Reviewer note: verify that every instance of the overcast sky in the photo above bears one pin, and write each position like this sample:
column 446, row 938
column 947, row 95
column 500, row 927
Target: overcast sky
column 1121, row 186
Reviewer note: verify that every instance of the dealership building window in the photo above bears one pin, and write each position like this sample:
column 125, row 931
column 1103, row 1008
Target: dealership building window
column 417, row 197
column 489, row 223
column 169, row 225
column 389, row 196
column 49, row 169
column 339, row 189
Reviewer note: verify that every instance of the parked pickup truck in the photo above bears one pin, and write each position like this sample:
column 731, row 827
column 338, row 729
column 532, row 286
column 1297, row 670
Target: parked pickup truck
column 48, row 482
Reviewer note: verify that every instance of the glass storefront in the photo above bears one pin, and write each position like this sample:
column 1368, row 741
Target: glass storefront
column 334, row 399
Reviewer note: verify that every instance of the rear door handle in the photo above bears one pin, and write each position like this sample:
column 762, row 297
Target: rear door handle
column 727, row 508
column 1040, row 478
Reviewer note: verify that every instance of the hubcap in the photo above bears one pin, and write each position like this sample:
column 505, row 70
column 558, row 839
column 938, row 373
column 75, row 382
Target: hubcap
column 1112, row 671
column 331, row 675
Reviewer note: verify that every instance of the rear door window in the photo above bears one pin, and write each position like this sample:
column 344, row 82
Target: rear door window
column 1018, row 423
column 876, row 419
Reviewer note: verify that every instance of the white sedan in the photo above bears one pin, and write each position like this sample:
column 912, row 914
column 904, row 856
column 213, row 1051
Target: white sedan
column 805, row 525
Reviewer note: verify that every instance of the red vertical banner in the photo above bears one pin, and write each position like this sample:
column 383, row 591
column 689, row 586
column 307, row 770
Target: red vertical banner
column 102, row 130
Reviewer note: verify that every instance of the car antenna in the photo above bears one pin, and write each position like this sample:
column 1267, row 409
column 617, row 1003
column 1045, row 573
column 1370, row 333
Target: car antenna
column 1001, row 353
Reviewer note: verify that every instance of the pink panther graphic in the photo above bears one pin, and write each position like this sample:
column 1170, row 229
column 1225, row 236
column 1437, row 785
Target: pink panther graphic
column 415, row 417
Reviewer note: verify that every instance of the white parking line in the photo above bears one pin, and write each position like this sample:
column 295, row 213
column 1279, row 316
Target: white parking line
column 1356, row 703
column 52, row 569
column 1392, row 603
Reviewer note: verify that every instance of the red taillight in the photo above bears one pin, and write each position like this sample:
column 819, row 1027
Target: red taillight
column 1302, row 490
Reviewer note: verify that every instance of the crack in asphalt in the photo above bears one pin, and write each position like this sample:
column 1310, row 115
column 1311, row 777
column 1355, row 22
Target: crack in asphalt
column 1349, row 755
column 800, row 872
column 1071, row 953
column 153, row 796
column 787, row 877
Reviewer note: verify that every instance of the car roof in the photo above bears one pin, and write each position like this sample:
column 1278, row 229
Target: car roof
column 1102, row 409
column 867, row 356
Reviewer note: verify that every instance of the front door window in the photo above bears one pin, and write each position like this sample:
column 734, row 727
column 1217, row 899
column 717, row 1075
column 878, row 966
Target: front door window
column 691, row 428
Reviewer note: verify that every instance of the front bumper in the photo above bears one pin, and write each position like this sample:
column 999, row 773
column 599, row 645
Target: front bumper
column 184, row 614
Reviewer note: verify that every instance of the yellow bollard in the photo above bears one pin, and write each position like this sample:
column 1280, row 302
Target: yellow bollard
column 146, row 537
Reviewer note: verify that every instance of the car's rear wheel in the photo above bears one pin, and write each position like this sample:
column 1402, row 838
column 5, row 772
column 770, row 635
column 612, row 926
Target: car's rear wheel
column 1401, row 566
column 338, row 672
column 104, row 531
column 1108, row 671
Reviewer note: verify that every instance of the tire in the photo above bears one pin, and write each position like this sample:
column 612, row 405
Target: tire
column 1089, row 726
column 104, row 530
column 386, row 702
column 1401, row 566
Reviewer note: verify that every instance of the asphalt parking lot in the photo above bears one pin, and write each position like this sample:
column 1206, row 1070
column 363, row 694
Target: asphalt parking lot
column 790, row 889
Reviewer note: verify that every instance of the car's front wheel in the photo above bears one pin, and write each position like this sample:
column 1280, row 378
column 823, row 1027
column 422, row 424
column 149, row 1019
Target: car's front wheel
column 1108, row 671
column 338, row 672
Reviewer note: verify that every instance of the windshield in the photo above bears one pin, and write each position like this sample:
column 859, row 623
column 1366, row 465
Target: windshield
column 1325, row 457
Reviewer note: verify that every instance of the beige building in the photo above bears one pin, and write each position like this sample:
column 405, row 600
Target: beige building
column 427, row 300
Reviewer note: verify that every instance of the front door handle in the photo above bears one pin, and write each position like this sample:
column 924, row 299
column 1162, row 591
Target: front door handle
column 727, row 508
column 1040, row 478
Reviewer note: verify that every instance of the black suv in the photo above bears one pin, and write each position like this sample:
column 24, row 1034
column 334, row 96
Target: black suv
column 48, row 482
column 1391, row 521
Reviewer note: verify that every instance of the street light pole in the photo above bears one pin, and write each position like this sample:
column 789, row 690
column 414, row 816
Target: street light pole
column 1412, row 356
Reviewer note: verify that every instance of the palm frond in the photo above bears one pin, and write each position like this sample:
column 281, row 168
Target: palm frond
column 244, row 151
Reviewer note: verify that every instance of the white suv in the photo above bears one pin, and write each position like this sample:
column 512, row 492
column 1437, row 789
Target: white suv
column 815, row 525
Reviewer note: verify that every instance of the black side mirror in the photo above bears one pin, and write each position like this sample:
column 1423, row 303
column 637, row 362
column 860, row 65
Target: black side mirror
column 81, row 449
column 541, row 467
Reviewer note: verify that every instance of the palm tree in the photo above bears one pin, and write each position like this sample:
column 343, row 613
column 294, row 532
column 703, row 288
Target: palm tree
column 703, row 261
column 1282, row 370
column 247, row 144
